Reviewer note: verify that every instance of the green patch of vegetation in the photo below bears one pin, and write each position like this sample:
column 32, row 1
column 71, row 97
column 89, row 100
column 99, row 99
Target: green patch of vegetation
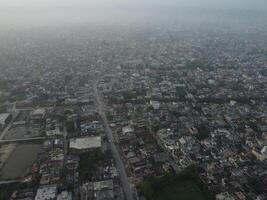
column 178, row 114
column 17, row 95
column 3, row 99
column 68, row 78
column 181, row 92
column 185, row 186
column 242, row 100
column 128, row 95
column 110, row 117
column 3, row 109
column 141, row 92
column 6, row 190
column 203, row 132
column 257, row 185
column 191, row 65
column 3, row 84
column 88, row 163
column 18, row 98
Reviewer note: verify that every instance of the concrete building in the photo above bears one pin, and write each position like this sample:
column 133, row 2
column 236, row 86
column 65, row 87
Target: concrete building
column 64, row 195
column 39, row 113
column 4, row 119
column 85, row 143
column 48, row 192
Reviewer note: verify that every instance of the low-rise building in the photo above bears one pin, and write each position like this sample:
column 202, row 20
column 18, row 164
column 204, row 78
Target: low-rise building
column 5, row 119
column 48, row 192
column 85, row 143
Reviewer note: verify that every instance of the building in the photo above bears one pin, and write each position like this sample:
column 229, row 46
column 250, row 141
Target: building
column 224, row 196
column 38, row 114
column 101, row 190
column 47, row 192
column 127, row 130
column 5, row 118
column 85, row 143
column 155, row 104
column 64, row 195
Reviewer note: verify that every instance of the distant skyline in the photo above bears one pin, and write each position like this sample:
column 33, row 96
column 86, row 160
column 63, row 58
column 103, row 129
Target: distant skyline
column 16, row 13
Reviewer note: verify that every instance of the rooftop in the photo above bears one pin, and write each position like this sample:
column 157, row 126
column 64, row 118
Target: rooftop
column 85, row 142
column 101, row 185
column 3, row 117
column 39, row 111
column 46, row 192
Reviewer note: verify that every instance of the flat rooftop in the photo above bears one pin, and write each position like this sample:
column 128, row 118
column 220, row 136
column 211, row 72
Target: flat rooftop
column 85, row 143
column 3, row 117
column 46, row 192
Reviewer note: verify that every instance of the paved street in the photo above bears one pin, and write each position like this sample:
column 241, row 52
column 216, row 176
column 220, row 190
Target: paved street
column 23, row 139
column 120, row 166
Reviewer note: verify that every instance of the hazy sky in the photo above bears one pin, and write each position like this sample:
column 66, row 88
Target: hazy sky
column 16, row 13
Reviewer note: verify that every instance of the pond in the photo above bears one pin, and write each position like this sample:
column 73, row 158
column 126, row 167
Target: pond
column 20, row 161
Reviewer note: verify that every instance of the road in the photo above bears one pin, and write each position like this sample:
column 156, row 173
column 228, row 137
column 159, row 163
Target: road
column 23, row 139
column 4, row 132
column 128, row 190
column 23, row 180
column 65, row 144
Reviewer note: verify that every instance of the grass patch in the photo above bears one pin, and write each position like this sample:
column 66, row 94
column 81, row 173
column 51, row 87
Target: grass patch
column 185, row 186
column 3, row 99
column 180, row 190
column 3, row 109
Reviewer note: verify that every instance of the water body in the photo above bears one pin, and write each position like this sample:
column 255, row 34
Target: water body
column 20, row 161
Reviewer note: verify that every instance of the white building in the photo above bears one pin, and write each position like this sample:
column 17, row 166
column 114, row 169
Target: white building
column 85, row 143
column 4, row 118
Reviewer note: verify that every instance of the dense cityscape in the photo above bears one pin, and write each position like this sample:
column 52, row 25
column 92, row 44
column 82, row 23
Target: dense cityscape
column 149, row 112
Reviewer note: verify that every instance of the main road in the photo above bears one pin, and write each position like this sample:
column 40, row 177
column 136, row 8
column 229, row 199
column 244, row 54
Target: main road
column 128, row 190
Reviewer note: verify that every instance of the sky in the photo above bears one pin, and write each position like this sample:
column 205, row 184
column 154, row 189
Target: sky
column 15, row 14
